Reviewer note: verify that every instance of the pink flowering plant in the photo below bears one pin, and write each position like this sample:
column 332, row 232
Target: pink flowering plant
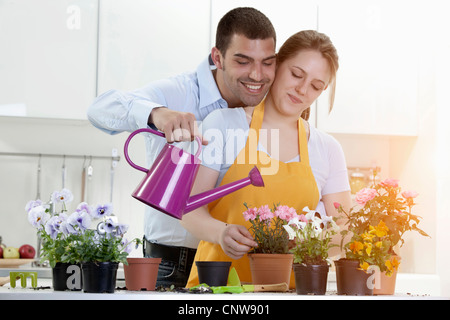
column 267, row 227
column 383, row 204
column 67, row 237
column 312, row 235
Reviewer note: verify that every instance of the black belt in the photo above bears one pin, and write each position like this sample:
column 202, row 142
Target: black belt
column 183, row 257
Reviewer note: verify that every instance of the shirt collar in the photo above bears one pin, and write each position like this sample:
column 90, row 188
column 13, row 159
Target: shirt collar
column 208, row 91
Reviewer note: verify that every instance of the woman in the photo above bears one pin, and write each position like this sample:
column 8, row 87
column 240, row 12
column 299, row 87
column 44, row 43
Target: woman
column 300, row 165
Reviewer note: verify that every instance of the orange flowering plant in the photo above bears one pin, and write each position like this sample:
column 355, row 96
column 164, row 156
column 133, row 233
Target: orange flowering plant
column 378, row 222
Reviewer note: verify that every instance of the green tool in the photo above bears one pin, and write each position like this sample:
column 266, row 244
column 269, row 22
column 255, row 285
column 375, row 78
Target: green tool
column 234, row 286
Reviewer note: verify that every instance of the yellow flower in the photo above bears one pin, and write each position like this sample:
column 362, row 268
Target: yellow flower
column 378, row 244
column 364, row 266
column 367, row 236
column 380, row 231
column 392, row 264
column 356, row 247
column 368, row 248
column 395, row 262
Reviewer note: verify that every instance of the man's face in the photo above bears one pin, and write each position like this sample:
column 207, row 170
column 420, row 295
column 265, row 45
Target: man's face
column 246, row 71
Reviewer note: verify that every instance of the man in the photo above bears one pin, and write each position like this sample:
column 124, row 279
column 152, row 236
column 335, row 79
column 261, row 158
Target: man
column 244, row 59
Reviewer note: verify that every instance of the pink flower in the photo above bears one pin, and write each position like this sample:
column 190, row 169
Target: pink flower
column 393, row 183
column 336, row 205
column 302, row 218
column 365, row 195
column 265, row 213
column 250, row 214
column 409, row 194
column 286, row 213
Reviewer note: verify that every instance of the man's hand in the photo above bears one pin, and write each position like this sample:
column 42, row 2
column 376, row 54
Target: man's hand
column 176, row 125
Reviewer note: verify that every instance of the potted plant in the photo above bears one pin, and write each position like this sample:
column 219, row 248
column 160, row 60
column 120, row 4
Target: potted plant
column 377, row 222
column 270, row 261
column 56, row 248
column 100, row 251
column 67, row 239
column 312, row 236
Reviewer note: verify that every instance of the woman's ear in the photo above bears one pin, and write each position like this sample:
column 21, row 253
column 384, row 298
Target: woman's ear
column 216, row 57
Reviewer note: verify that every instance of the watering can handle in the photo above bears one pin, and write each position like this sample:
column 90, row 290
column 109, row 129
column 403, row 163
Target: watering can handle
column 125, row 148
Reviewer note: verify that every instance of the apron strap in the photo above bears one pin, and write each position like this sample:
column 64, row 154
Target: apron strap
column 253, row 136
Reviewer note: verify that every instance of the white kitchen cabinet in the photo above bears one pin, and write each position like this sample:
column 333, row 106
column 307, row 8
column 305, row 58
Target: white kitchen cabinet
column 377, row 84
column 47, row 57
column 142, row 40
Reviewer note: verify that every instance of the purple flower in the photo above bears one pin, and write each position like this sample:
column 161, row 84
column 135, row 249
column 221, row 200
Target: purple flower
column 53, row 225
column 76, row 222
column 65, row 196
column 101, row 211
column 122, row 229
column 83, row 206
column 33, row 203
column 127, row 245
column 109, row 225
column 38, row 217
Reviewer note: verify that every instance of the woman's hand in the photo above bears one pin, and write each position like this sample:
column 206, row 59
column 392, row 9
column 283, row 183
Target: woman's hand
column 236, row 241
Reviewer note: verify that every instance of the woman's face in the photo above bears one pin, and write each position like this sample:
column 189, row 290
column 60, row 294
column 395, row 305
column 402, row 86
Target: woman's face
column 299, row 81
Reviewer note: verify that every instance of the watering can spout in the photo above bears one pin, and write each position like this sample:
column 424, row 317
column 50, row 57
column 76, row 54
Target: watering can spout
column 254, row 178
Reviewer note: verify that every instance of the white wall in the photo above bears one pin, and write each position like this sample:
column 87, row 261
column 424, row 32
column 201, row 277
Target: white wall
column 19, row 174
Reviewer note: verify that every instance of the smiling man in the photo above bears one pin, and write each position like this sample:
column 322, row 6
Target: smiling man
column 245, row 69
column 238, row 72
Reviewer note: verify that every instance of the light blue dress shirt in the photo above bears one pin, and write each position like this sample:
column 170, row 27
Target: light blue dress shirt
column 116, row 111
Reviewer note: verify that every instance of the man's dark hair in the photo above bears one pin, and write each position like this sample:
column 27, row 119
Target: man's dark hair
column 245, row 21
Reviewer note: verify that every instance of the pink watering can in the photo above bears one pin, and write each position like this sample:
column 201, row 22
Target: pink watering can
column 168, row 183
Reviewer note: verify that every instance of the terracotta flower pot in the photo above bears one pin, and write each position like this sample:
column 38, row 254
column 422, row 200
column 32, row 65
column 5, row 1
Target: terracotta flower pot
column 267, row 268
column 350, row 279
column 213, row 273
column 141, row 273
column 386, row 285
column 311, row 279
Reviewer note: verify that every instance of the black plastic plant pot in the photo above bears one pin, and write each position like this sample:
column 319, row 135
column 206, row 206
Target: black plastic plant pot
column 213, row 273
column 311, row 279
column 67, row 276
column 99, row 277
column 350, row 279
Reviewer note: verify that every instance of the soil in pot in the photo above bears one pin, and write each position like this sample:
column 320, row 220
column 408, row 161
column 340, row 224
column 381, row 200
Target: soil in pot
column 350, row 279
column 311, row 279
column 99, row 277
column 66, row 276
column 141, row 273
column 213, row 273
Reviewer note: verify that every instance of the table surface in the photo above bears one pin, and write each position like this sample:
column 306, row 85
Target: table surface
column 45, row 292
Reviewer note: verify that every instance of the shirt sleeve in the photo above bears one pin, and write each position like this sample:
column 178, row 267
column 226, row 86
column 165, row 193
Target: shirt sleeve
column 116, row 111
column 213, row 129
column 337, row 180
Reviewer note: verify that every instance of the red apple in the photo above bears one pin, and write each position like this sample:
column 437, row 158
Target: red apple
column 27, row 252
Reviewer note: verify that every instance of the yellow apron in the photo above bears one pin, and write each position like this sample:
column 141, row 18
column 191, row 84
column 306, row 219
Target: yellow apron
column 292, row 185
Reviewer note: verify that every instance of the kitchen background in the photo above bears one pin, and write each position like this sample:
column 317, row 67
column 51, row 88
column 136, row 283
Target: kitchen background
column 56, row 55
